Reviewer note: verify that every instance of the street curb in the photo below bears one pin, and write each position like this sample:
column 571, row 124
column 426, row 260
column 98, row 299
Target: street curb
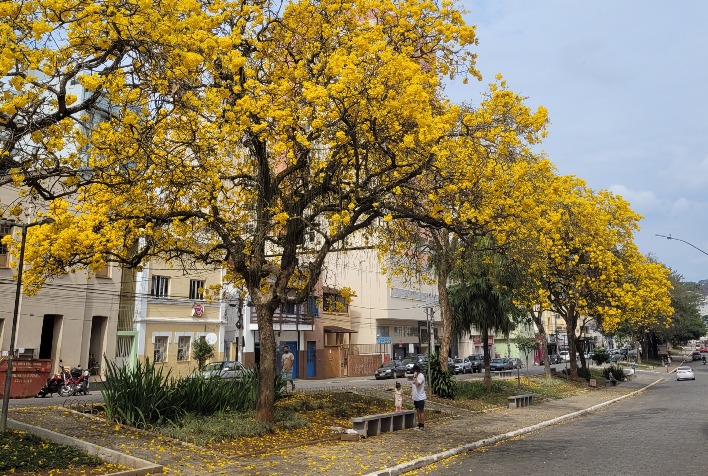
column 140, row 466
column 430, row 459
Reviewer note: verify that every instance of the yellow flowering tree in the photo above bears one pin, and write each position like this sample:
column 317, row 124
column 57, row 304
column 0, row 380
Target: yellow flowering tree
column 585, row 262
column 237, row 129
column 480, row 186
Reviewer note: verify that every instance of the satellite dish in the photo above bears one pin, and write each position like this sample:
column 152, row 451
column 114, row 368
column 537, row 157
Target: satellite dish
column 210, row 338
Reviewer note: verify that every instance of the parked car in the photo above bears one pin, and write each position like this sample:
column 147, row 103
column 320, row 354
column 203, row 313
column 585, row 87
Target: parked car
column 703, row 349
column 227, row 369
column 462, row 366
column 476, row 362
column 564, row 355
column 516, row 363
column 390, row 369
column 499, row 364
column 409, row 362
column 685, row 372
column 554, row 359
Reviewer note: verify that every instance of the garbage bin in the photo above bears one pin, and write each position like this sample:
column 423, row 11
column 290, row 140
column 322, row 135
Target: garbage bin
column 28, row 376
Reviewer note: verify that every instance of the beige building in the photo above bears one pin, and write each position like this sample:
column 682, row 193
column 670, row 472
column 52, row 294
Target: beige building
column 72, row 319
column 171, row 312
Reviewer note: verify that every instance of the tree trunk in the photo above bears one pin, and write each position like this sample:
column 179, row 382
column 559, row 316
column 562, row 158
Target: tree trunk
column 266, row 369
column 571, row 321
column 538, row 320
column 485, row 348
column 445, row 313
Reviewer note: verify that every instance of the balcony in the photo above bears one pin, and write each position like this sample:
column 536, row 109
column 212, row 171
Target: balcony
column 289, row 318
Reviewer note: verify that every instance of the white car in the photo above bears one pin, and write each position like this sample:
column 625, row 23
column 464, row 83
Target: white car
column 462, row 366
column 685, row 372
column 564, row 355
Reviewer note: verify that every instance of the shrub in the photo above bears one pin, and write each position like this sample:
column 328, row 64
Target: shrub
column 145, row 395
column 202, row 351
column 442, row 383
column 616, row 370
column 600, row 356
column 584, row 373
column 140, row 396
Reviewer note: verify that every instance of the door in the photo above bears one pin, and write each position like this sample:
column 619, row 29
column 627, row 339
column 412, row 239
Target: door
column 311, row 356
column 124, row 344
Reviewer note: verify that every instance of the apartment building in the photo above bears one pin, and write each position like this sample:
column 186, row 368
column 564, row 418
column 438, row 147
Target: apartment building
column 171, row 311
column 389, row 317
column 73, row 317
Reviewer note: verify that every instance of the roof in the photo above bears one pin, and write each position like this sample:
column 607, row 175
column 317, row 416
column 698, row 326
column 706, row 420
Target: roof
column 338, row 330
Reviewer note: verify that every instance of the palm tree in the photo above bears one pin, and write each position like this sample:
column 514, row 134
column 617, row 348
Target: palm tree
column 481, row 295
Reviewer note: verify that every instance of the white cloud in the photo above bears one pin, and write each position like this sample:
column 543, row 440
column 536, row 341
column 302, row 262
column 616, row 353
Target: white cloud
column 690, row 173
column 642, row 201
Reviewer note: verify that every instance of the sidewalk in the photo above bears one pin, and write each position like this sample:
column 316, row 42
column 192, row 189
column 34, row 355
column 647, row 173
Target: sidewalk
column 366, row 456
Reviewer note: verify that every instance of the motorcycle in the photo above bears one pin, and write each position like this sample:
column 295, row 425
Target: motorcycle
column 704, row 360
column 55, row 382
column 66, row 383
column 77, row 383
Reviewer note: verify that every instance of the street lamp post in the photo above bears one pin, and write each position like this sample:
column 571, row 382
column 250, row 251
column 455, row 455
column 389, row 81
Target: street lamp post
column 15, row 312
column 669, row 237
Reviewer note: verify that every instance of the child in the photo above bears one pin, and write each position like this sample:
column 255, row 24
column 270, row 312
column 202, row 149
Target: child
column 398, row 397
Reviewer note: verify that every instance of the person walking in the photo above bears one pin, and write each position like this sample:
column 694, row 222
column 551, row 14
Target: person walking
column 287, row 367
column 418, row 395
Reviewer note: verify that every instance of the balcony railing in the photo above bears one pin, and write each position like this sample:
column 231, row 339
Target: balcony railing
column 280, row 320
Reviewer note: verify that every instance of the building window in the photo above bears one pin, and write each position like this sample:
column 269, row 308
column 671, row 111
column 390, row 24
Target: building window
column 405, row 331
column 104, row 272
column 4, row 256
column 160, row 286
column 382, row 331
column 334, row 303
column 183, row 343
column 196, row 289
column 160, row 349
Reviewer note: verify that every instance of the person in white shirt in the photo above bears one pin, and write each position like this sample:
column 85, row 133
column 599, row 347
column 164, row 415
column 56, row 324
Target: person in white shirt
column 418, row 395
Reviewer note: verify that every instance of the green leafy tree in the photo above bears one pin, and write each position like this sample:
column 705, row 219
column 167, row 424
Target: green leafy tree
column 202, row 351
column 527, row 345
column 481, row 297
column 600, row 356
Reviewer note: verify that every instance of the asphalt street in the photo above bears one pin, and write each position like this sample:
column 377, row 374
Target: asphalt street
column 661, row 431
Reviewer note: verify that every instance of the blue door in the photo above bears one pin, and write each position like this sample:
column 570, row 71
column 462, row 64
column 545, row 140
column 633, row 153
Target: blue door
column 311, row 356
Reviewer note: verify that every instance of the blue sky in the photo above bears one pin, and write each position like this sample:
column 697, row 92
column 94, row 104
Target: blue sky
column 626, row 86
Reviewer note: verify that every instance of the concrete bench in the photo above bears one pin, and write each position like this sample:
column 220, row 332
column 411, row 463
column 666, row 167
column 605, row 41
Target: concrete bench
column 503, row 373
column 516, row 401
column 374, row 425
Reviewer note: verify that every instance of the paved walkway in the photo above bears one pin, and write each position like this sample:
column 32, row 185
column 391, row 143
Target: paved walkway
column 335, row 457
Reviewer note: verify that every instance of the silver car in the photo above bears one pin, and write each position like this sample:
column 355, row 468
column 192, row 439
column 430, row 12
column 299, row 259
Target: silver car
column 462, row 366
column 227, row 369
column 516, row 363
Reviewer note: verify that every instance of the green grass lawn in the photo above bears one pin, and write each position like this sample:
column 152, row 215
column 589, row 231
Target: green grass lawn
column 23, row 453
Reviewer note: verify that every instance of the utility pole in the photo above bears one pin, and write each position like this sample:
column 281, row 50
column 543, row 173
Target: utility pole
column 429, row 319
